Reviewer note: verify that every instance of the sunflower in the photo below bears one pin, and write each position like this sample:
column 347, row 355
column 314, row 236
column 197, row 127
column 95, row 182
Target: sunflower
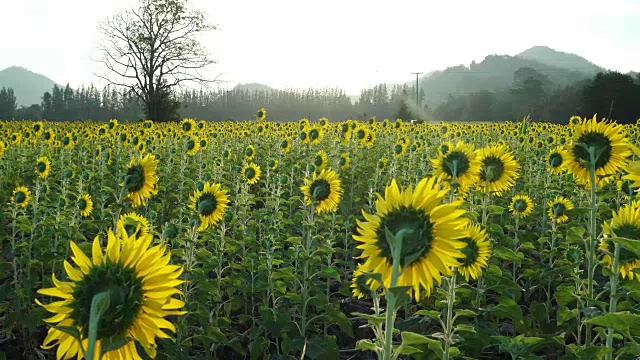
column 625, row 224
column 251, row 173
column 459, row 161
column 320, row 160
column 633, row 170
column 476, row 253
column 344, row 161
column 262, row 114
column 133, row 224
column 430, row 233
column 210, row 204
column 139, row 285
column 187, row 125
column 324, row 191
column 203, row 143
column 37, row 127
column 249, row 153
column 285, row 145
column 21, row 196
column 304, row 136
column 558, row 208
column 43, row 167
column 315, row 134
column 557, row 160
column 112, row 124
column 85, row 205
column 191, row 145
column 498, row 169
column 521, row 205
column 382, row 164
column 2, row 148
column 141, row 180
column 400, row 148
column 603, row 143
column 626, row 188
column 273, row 164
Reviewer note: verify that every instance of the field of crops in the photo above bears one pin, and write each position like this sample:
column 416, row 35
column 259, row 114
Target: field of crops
column 314, row 239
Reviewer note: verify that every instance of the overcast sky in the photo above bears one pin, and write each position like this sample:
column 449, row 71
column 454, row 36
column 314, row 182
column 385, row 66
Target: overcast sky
column 346, row 43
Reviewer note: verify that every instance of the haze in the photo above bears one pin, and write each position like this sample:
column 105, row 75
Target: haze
column 350, row 44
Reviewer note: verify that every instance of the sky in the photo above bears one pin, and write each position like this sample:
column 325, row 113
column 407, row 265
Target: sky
column 352, row 44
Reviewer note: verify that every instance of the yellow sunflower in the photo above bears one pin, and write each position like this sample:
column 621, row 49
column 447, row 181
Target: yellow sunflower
column 602, row 144
column 188, row 125
column 633, row 173
column 43, row 167
column 249, row 153
column 625, row 224
column 476, row 253
column 320, row 160
column 498, row 169
column 324, row 191
column 141, row 180
column 251, row 173
column 521, row 205
column 459, row 161
column 210, row 204
column 427, row 230
column 133, row 224
column 139, row 285
column 273, row 164
column 315, row 134
column 262, row 114
column 21, row 196
column 558, row 208
column 344, row 161
column 557, row 160
column 285, row 145
column 2, row 148
column 85, row 205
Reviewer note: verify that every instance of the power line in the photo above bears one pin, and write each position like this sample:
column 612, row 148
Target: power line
column 417, row 94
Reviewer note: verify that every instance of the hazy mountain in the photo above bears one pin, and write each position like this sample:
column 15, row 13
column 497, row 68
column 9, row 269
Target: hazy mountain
column 549, row 56
column 28, row 86
column 496, row 73
column 253, row 87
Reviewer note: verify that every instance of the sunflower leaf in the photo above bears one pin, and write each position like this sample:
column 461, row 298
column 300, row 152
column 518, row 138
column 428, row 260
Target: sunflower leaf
column 623, row 322
column 629, row 244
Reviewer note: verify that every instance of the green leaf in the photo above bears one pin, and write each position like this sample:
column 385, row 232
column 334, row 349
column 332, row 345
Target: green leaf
column 113, row 343
column 331, row 273
column 465, row 312
column 465, row 328
column 628, row 244
column 565, row 294
column 576, row 235
column 495, row 209
column 411, row 338
column 565, row 314
column 373, row 319
column 508, row 308
column 365, row 344
column 624, row 322
column 429, row 313
column 506, row 254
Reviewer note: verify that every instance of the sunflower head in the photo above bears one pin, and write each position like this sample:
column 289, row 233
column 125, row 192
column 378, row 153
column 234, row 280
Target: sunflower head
column 133, row 224
column 251, row 173
column 320, row 160
column 344, row 161
column 625, row 224
column 498, row 169
column 141, row 180
column 459, row 162
column 187, row 125
column 557, row 160
column 139, row 286
column 210, row 203
column 425, row 233
column 601, row 146
column 262, row 114
column 43, row 167
column 85, row 205
column 249, row 152
column 476, row 253
column 521, row 206
column 324, row 191
column 21, row 196
column 285, row 145
column 558, row 209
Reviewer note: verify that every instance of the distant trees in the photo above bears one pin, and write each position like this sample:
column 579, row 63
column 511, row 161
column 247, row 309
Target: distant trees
column 7, row 103
column 613, row 93
column 153, row 48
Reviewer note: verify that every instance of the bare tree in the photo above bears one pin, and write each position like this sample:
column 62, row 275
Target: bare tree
column 152, row 48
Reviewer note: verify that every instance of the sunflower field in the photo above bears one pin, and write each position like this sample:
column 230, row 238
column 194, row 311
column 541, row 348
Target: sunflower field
column 319, row 240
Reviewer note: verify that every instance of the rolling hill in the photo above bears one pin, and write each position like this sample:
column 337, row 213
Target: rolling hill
column 27, row 85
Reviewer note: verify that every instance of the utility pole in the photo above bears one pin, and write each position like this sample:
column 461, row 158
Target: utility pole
column 417, row 95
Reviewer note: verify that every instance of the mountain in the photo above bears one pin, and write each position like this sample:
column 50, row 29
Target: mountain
column 551, row 57
column 27, row 86
column 496, row 73
column 253, row 87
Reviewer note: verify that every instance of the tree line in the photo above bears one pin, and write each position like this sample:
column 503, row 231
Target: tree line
column 609, row 94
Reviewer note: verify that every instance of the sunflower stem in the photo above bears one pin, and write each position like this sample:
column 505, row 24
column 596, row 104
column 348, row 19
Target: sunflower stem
column 613, row 282
column 451, row 298
column 99, row 305
column 395, row 241
column 515, row 248
column 592, row 236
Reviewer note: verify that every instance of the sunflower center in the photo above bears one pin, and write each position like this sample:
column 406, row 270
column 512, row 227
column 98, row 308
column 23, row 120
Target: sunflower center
column 42, row 167
column 361, row 134
column 134, row 179
column 47, row 136
column 417, row 239
column 82, row 204
column 555, row 160
column 398, row 149
column 303, row 136
column 314, row 134
column 125, row 298
column 20, row 197
column 207, row 204
column 320, row 190
column 186, row 126
column 248, row 152
column 130, row 229
column 457, row 163
column 520, row 205
column 492, row 169
column 470, row 252
column 343, row 161
column 203, row 143
column 260, row 114
column 249, row 173
column 190, row 144
column 284, row 144
column 596, row 143
column 318, row 160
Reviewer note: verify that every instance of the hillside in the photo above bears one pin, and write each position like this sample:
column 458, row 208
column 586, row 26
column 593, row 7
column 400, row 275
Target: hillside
column 253, row 87
column 28, row 86
column 551, row 57
column 494, row 73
